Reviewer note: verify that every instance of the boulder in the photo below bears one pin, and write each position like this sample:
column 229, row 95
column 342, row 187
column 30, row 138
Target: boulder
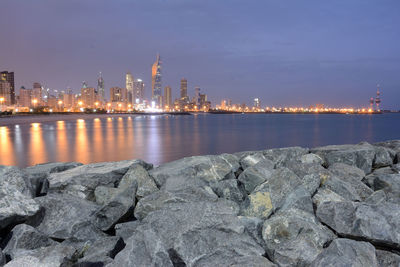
column 194, row 234
column 383, row 181
column 343, row 188
column 139, row 175
column 311, row 159
column 294, row 238
column 56, row 255
column 24, row 237
column 198, row 171
column 2, row 258
column 346, row 172
column 159, row 199
column 16, row 203
column 377, row 197
column 347, row 252
column 326, row 195
column 120, row 207
column 67, row 217
column 83, row 180
column 257, row 174
column 271, row 195
column 378, row 224
column 392, row 144
column 253, row 227
column 228, row 189
column 104, row 194
column 101, row 251
column 38, row 174
column 361, row 155
column 386, row 258
column 251, row 159
column 311, row 174
column 281, row 156
column 383, row 157
column 126, row 229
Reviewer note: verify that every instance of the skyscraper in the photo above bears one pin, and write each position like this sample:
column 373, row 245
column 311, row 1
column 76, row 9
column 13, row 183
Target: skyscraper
column 118, row 94
column 184, row 89
column 197, row 95
column 9, row 77
column 156, row 82
column 5, row 93
column 129, row 87
column 167, row 97
column 100, row 88
column 138, row 90
column 88, row 96
column 25, row 97
column 37, row 93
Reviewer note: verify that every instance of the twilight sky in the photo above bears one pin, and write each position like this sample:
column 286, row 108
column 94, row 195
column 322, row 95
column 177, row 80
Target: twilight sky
column 295, row 52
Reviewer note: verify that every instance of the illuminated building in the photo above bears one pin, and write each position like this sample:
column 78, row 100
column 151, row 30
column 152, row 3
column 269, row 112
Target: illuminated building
column 69, row 99
column 25, row 97
column 184, row 95
column 256, row 103
column 156, row 82
column 88, row 97
column 118, row 94
column 129, row 87
column 5, row 93
column 138, row 90
column 37, row 93
column 9, row 77
column 378, row 99
column 167, row 97
column 100, row 88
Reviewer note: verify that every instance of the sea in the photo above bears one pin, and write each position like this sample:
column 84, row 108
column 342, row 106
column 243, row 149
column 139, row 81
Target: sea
column 30, row 140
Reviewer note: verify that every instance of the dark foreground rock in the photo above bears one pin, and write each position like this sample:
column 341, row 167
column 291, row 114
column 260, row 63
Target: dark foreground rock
column 327, row 206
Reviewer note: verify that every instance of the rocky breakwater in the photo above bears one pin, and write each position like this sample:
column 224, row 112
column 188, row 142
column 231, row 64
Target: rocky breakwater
column 327, row 206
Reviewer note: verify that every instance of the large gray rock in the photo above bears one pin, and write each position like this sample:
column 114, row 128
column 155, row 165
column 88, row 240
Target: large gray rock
column 194, row 234
column 346, row 252
column 126, row 229
column 2, row 258
column 118, row 208
column 56, row 255
column 294, row 238
column 38, row 174
column 16, row 203
column 257, row 174
column 199, row 170
column 326, row 195
column 229, row 189
column 311, row 174
column 251, row 159
column 311, row 159
column 24, row 237
column 68, row 217
column 83, row 180
column 361, row 155
column 392, row 144
column 387, row 259
column 272, row 194
column 101, row 251
column 253, row 227
column 388, row 183
column 281, row 156
column 139, row 175
column 346, row 172
column 159, row 199
column 383, row 157
column 342, row 188
column 379, row 224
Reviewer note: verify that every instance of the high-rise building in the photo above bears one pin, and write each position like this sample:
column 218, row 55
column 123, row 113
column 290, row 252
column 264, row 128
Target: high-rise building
column 118, row 94
column 129, row 87
column 196, row 95
column 25, row 97
column 156, row 82
column 5, row 93
column 68, row 99
column 9, row 77
column 167, row 97
column 37, row 93
column 256, row 103
column 88, row 97
column 100, row 88
column 138, row 90
column 184, row 95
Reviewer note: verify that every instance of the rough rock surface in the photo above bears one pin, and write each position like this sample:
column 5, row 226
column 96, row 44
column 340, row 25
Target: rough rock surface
column 336, row 206
column 346, row 252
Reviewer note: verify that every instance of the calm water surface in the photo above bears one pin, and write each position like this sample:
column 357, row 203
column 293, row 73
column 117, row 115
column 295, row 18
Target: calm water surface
column 159, row 139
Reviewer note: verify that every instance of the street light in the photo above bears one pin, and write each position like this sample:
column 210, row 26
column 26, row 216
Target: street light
column 59, row 104
column 34, row 101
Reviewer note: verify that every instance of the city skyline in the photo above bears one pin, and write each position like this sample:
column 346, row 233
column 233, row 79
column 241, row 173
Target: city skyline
column 314, row 52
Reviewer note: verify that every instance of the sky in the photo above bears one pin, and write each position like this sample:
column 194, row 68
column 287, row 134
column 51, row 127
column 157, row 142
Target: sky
column 287, row 53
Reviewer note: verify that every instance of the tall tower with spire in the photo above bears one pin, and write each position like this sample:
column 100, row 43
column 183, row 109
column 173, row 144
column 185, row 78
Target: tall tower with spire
column 100, row 87
column 156, row 94
column 378, row 98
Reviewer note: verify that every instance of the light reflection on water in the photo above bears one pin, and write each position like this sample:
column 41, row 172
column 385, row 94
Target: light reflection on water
column 160, row 139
